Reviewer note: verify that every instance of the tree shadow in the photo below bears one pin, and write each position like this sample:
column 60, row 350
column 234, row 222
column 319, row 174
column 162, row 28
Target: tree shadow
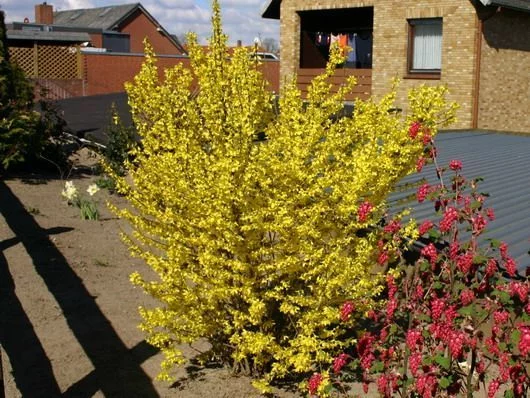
column 117, row 371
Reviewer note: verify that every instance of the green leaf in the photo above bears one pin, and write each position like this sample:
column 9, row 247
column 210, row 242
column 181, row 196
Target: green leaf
column 495, row 243
column 476, row 205
column 508, row 394
column 443, row 361
column 423, row 318
column 480, row 259
column 515, row 337
column 504, row 297
column 437, row 285
column 468, row 310
column 377, row 367
column 393, row 328
column 434, row 234
column 445, row 382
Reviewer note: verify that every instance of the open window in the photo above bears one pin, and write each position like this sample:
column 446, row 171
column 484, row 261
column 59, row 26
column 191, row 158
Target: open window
column 424, row 59
column 350, row 27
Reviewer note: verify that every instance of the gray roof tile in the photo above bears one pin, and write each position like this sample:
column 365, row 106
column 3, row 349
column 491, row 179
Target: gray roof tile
column 100, row 18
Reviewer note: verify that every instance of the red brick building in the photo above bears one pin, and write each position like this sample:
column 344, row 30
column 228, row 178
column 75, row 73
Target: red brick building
column 120, row 28
column 95, row 51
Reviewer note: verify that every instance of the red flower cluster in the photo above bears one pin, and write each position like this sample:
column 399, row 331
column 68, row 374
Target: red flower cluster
column 430, row 253
column 414, row 339
column 420, row 163
column 339, row 362
column 346, row 310
column 422, row 192
column 414, row 129
column 425, row 227
column 455, row 165
column 314, row 382
column 392, row 227
column 449, row 217
column 467, row 296
column 363, row 211
column 524, row 342
column 479, row 223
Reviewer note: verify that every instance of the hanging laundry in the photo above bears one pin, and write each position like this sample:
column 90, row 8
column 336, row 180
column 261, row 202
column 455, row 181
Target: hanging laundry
column 322, row 39
column 334, row 39
column 343, row 43
column 352, row 55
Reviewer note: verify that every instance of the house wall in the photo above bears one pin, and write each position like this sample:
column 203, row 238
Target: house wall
column 390, row 45
column 505, row 72
column 96, row 39
column 139, row 26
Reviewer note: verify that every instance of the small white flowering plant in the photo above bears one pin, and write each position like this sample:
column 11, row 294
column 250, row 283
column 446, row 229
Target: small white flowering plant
column 87, row 205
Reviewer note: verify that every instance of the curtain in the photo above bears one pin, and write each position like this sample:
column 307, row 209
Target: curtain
column 427, row 46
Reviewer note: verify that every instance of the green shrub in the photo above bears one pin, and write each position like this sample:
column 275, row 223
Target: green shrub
column 25, row 135
column 120, row 143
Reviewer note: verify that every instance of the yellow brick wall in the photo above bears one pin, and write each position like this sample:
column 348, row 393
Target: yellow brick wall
column 390, row 44
column 505, row 73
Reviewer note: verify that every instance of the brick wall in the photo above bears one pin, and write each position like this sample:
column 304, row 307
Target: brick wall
column 390, row 44
column 107, row 73
column 505, row 73
column 138, row 26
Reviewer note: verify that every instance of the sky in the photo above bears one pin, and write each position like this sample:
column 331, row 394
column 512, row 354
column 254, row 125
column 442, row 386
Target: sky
column 241, row 18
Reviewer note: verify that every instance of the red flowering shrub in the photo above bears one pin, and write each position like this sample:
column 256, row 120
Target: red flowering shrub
column 453, row 320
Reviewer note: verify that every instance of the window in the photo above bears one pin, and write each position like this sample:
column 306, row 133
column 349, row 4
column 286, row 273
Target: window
column 425, row 48
column 116, row 42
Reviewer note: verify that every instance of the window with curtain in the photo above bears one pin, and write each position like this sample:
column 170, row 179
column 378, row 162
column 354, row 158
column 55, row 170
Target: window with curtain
column 425, row 46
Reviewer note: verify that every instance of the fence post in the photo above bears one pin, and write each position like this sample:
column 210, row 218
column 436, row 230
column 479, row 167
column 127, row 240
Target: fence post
column 35, row 60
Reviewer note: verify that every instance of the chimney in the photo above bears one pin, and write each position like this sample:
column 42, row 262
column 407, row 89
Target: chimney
column 44, row 14
column 239, row 43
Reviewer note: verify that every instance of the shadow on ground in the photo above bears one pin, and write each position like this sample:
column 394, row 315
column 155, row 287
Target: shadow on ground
column 117, row 371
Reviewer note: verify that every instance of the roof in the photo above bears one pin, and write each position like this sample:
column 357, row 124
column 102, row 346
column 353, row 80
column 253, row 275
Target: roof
column 272, row 8
column 76, row 109
column 503, row 161
column 38, row 35
column 105, row 18
column 518, row 5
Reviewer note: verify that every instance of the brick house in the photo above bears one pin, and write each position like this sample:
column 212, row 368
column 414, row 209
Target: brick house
column 120, row 28
column 90, row 51
column 480, row 49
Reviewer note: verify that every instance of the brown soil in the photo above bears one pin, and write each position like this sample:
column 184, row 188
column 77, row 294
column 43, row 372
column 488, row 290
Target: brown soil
column 68, row 313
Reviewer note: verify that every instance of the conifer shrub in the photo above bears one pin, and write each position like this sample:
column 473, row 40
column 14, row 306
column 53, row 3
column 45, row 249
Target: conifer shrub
column 25, row 135
column 257, row 243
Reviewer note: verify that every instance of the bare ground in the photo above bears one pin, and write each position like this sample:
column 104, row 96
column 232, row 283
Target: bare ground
column 68, row 319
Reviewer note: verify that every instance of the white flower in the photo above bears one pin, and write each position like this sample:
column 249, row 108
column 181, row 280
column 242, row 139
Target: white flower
column 69, row 191
column 92, row 189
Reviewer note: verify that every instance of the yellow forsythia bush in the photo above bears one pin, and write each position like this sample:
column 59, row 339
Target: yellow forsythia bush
column 254, row 242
